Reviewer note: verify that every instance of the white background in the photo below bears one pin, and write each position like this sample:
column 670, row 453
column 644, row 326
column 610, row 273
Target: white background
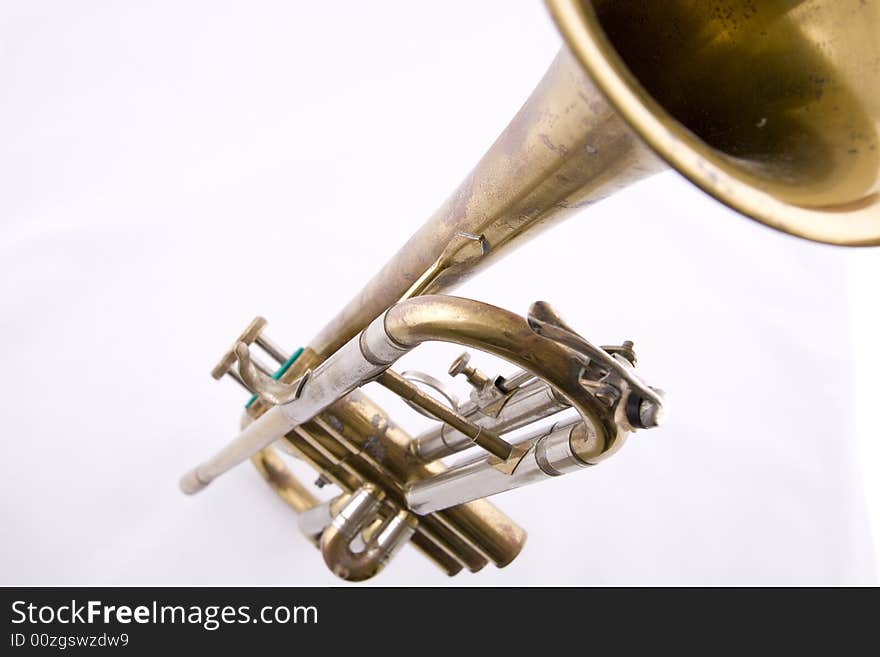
column 172, row 169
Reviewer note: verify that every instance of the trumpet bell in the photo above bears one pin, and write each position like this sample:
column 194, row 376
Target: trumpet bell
column 770, row 106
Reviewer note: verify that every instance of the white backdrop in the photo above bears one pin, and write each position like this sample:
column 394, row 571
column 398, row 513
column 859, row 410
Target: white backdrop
column 171, row 170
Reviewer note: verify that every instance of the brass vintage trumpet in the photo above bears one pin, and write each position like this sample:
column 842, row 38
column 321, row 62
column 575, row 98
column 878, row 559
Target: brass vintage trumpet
column 770, row 106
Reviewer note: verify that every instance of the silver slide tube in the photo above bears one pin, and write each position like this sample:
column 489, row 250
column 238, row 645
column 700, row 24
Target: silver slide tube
column 549, row 452
column 347, row 525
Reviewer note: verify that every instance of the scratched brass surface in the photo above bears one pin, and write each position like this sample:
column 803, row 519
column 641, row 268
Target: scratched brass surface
column 376, row 436
column 770, row 106
column 273, row 470
column 355, row 441
column 506, row 335
column 347, row 464
column 565, row 149
column 447, row 551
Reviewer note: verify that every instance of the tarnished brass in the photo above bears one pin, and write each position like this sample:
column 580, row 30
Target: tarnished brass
column 363, row 427
column 506, row 335
column 564, row 150
column 482, row 437
column 248, row 336
column 432, row 538
column 772, row 107
column 270, row 465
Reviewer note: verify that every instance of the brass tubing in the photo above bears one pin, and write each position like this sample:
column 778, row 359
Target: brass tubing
column 354, row 430
column 564, row 149
column 427, row 542
column 451, row 543
column 269, row 464
column 474, row 533
column 370, row 429
column 360, row 510
column 432, row 538
column 314, row 446
column 359, row 462
column 529, row 403
column 785, row 131
column 504, row 334
column 485, row 438
column 481, row 522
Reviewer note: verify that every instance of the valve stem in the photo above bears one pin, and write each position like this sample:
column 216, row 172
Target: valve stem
column 474, row 376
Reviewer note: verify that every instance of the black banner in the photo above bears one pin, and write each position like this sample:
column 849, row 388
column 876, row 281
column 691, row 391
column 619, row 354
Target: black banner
column 147, row 620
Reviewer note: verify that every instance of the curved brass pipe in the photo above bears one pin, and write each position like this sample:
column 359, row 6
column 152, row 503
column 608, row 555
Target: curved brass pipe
column 288, row 488
column 351, row 520
column 434, row 541
column 469, row 323
column 361, row 423
column 507, row 335
column 442, row 547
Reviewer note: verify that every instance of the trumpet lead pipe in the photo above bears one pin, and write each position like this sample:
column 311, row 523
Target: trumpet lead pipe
column 358, row 361
column 258, row 435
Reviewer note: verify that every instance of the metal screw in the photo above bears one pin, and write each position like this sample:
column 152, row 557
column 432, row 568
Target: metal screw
column 460, row 365
column 652, row 414
column 320, row 482
column 474, row 376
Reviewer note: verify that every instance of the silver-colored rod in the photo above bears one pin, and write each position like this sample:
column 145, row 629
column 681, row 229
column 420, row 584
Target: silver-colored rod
column 358, row 361
column 549, row 453
column 276, row 352
column 534, row 401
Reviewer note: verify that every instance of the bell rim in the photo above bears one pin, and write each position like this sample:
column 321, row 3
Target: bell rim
column 852, row 224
